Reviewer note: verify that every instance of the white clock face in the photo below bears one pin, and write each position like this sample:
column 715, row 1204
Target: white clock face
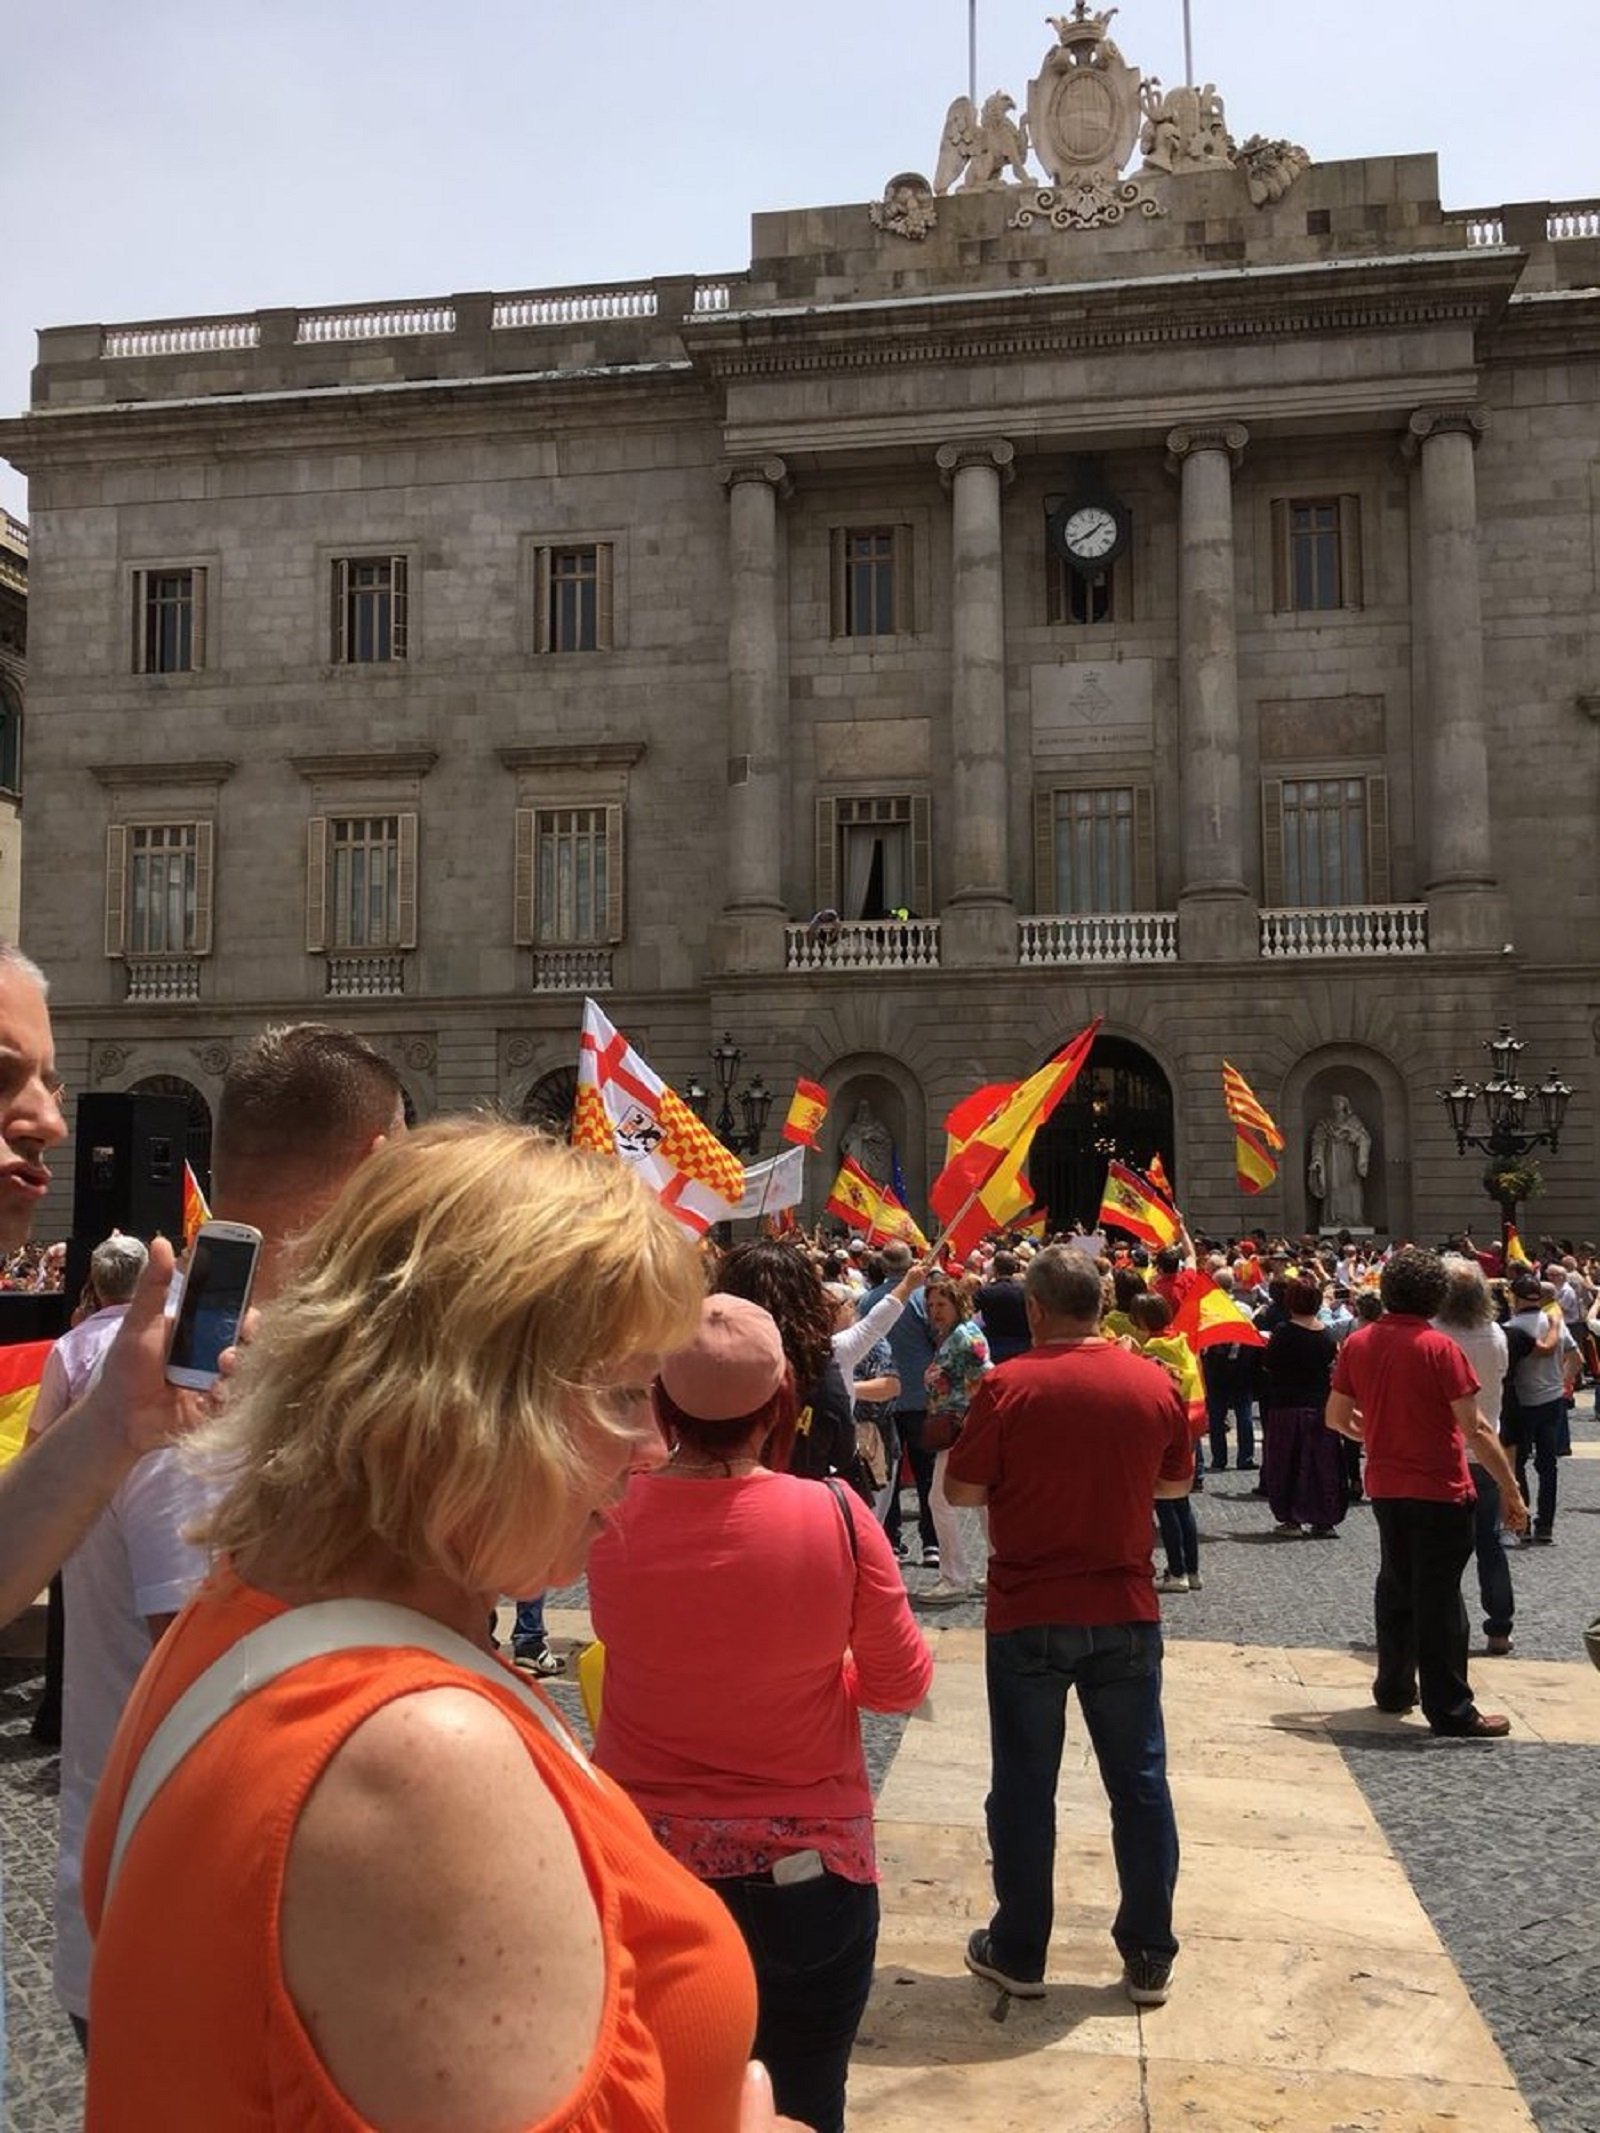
column 1091, row 532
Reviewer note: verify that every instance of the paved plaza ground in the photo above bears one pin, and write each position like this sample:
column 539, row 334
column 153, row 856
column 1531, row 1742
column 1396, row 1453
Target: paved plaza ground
column 1383, row 1933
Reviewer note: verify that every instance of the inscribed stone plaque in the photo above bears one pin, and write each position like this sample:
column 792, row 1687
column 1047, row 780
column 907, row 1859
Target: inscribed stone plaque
column 1321, row 726
column 1103, row 706
column 871, row 748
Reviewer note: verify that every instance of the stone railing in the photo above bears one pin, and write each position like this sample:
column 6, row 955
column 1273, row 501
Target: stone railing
column 1347, row 929
column 201, row 336
column 366, row 977
column 1099, row 937
column 576, row 307
column 163, row 978
column 572, row 970
column 386, row 323
column 864, row 944
column 1564, row 220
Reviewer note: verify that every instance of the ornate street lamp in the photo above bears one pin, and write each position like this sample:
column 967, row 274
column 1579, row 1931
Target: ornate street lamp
column 1505, row 1109
column 754, row 1099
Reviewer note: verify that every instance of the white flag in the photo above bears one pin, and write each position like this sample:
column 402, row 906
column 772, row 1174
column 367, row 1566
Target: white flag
column 773, row 1185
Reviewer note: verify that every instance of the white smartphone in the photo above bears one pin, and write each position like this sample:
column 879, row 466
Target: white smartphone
column 216, row 1293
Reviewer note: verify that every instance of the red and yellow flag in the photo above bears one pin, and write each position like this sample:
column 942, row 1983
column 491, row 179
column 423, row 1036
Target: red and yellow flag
column 1256, row 1139
column 1515, row 1255
column 862, row 1203
column 625, row 1109
column 195, row 1210
column 1130, row 1203
column 1208, row 1317
column 982, row 1186
column 1156, row 1172
column 20, row 1370
column 808, row 1107
column 1036, row 1226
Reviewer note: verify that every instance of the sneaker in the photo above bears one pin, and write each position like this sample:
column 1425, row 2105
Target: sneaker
column 902, row 1548
column 1194, row 1581
column 930, row 1557
column 1147, row 1979
column 1172, row 1582
column 980, row 1961
column 538, row 1659
column 940, row 1594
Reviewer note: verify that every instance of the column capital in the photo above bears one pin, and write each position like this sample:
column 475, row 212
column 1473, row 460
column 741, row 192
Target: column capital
column 1468, row 422
column 1229, row 437
column 772, row 470
column 997, row 453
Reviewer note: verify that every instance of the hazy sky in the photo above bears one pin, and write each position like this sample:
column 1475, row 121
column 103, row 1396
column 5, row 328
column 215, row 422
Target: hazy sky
column 194, row 156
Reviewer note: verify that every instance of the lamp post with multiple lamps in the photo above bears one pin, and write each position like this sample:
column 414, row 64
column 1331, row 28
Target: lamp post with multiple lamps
column 1508, row 1140
column 754, row 1100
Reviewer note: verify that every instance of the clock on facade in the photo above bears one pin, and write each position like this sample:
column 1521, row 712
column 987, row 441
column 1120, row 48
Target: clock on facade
column 1088, row 532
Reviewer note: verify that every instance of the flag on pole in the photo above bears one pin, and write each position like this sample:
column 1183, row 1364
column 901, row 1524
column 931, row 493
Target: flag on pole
column 862, row 1203
column 1256, row 1140
column 773, row 1185
column 625, row 1109
column 982, row 1186
column 1156, row 1172
column 1130, row 1203
column 20, row 1370
column 1036, row 1225
column 808, row 1107
column 972, row 1111
column 195, row 1210
column 1208, row 1317
column 1515, row 1254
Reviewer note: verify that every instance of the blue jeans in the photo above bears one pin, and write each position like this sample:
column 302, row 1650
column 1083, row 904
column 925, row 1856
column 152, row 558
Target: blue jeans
column 527, row 1632
column 1219, row 1405
column 1494, row 1572
column 1539, row 1434
column 1180, row 1536
column 812, row 1946
column 1116, row 1669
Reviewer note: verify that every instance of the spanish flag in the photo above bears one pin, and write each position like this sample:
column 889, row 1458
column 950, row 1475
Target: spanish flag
column 862, row 1203
column 982, row 1186
column 195, row 1210
column 808, row 1107
column 1130, row 1203
column 1515, row 1255
column 20, row 1371
column 1157, row 1174
column 1208, row 1317
column 1256, row 1140
column 1036, row 1226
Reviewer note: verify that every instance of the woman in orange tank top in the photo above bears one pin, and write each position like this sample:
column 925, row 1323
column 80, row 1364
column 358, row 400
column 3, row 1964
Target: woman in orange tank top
column 384, row 1894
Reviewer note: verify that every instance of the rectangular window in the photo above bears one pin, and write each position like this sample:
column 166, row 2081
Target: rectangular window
column 1094, row 850
column 871, row 581
column 1071, row 598
column 1316, row 561
column 364, row 881
column 1324, row 842
column 875, row 856
column 369, row 610
column 168, row 621
column 573, row 597
column 163, row 880
column 571, row 897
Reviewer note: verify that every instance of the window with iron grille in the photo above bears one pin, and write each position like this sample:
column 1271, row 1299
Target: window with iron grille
column 369, row 609
column 163, row 886
column 871, row 581
column 168, row 621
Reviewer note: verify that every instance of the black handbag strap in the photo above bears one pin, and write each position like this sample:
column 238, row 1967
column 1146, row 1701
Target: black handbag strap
column 837, row 1494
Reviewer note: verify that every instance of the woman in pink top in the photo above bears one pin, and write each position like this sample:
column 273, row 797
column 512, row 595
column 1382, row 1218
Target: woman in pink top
column 748, row 1615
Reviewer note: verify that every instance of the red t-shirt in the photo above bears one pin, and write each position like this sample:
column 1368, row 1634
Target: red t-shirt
column 1070, row 1440
column 1403, row 1375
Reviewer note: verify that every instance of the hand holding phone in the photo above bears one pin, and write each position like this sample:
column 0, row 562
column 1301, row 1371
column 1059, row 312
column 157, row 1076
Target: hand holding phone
column 216, row 1292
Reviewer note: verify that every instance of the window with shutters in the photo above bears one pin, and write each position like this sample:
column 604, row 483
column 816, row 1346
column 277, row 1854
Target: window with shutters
column 574, row 597
column 158, row 889
column 1075, row 600
column 1325, row 841
column 571, row 897
column 871, row 592
column 361, row 884
column 874, row 856
column 169, row 621
column 1094, row 849
column 1316, row 553
column 370, row 609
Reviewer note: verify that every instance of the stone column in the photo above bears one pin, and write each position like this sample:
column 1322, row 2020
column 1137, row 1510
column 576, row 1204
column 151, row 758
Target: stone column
column 1464, row 908
column 1217, row 921
column 979, row 918
column 750, row 934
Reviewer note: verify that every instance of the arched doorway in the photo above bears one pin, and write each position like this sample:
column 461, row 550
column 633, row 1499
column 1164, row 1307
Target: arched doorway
column 550, row 1103
column 1118, row 1109
column 197, row 1138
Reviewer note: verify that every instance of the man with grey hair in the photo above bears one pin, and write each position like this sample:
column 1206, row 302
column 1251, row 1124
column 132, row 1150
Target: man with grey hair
column 1068, row 1445
column 114, row 1270
column 912, row 1345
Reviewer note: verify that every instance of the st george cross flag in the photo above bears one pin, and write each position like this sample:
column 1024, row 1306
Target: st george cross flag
column 808, row 1107
column 1256, row 1140
column 625, row 1109
column 772, row 1185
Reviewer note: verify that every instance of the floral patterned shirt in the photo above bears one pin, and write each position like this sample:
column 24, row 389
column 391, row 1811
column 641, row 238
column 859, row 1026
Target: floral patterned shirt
column 961, row 1360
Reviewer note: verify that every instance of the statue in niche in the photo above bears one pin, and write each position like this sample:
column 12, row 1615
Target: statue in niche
column 978, row 151
column 870, row 1144
column 1341, row 1149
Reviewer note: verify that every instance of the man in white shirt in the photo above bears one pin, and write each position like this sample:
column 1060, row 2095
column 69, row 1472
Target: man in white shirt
column 1539, row 1381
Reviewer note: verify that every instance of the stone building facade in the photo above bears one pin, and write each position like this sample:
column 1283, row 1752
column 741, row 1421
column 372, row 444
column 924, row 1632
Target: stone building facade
column 713, row 645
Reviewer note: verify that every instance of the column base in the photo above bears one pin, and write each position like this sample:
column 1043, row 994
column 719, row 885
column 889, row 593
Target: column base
column 745, row 943
column 1468, row 918
column 1218, row 926
column 978, row 935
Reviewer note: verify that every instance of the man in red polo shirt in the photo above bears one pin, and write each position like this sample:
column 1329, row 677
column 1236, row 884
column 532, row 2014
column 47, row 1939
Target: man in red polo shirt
column 1067, row 1445
column 1409, row 1395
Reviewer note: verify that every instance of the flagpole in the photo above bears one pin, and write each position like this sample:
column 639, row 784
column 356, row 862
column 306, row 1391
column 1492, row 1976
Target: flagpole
column 972, row 48
column 1188, row 47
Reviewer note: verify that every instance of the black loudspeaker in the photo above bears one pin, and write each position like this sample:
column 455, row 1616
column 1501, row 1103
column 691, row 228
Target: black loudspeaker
column 129, row 1165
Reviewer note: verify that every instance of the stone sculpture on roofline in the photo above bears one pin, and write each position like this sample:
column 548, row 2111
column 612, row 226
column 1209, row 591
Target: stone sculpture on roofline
column 1088, row 110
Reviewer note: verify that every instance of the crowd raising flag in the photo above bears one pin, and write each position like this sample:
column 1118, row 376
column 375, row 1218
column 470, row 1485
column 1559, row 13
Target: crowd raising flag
column 982, row 1186
column 862, row 1203
column 1157, row 1174
column 1515, row 1255
column 771, row 1186
column 808, row 1107
column 195, row 1210
column 1132, row 1203
column 625, row 1109
column 1208, row 1317
column 20, row 1369
column 1256, row 1140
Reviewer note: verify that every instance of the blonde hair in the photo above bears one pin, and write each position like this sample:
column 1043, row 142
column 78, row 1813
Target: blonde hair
column 426, row 1381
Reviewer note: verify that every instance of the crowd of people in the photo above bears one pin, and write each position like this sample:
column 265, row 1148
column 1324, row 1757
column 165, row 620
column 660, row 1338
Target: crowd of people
column 485, row 1363
column 34, row 1269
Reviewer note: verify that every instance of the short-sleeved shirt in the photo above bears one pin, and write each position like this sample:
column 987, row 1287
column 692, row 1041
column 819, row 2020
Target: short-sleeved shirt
column 1404, row 1375
column 1069, row 1440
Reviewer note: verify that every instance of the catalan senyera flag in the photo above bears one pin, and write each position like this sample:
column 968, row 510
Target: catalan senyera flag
column 20, row 1369
column 1256, row 1140
column 625, row 1109
column 982, row 1186
column 1208, row 1317
column 808, row 1107
column 1156, row 1172
column 1130, row 1203
column 195, row 1210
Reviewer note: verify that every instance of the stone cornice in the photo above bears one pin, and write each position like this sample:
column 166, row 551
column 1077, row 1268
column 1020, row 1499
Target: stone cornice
column 366, row 763
column 572, row 755
column 189, row 772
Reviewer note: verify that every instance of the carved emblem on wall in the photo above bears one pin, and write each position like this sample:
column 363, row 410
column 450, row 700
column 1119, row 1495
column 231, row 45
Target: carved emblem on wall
column 1184, row 129
column 907, row 208
column 1271, row 167
column 518, row 1051
column 1083, row 104
column 106, row 1062
column 976, row 150
column 420, row 1054
column 1085, row 203
column 213, row 1059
